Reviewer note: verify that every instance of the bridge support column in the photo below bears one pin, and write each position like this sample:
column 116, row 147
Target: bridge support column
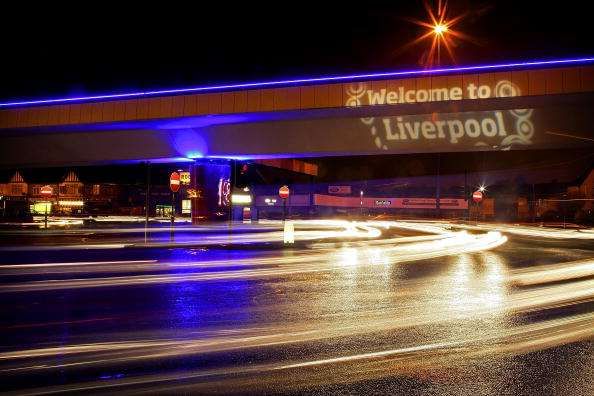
column 211, row 180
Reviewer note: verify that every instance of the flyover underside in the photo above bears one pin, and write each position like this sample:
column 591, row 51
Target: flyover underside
column 537, row 122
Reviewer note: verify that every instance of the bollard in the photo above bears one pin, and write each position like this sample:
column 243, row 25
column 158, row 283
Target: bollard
column 289, row 232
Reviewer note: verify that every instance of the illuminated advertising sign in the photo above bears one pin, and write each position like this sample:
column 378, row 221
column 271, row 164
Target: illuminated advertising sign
column 431, row 203
column 359, row 95
column 186, row 206
column 241, row 199
column 194, row 193
column 492, row 129
column 393, row 203
column 403, row 117
column 71, row 203
column 224, row 192
column 184, row 178
column 46, row 190
column 41, row 208
column 495, row 129
column 516, row 123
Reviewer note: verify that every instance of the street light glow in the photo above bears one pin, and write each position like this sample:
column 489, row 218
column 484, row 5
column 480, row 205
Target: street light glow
column 441, row 32
column 439, row 29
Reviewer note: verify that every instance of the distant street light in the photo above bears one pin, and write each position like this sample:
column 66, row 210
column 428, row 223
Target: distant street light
column 361, row 201
column 440, row 30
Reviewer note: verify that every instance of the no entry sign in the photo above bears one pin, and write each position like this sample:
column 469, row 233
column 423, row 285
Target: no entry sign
column 477, row 196
column 283, row 192
column 174, row 182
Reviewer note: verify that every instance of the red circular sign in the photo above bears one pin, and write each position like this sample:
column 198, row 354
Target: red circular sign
column 477, row 196
column 174, row 182
column 283, row 192
column 46, row 190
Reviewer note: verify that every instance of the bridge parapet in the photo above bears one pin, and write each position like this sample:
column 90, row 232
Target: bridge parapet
column 335, row 92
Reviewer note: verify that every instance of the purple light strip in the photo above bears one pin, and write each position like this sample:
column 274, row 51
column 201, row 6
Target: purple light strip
column 353, row 77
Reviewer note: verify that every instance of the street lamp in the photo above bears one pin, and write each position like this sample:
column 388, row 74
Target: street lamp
column 361, row 201
column 439, row 31
column 440, row 28
column 482, row 188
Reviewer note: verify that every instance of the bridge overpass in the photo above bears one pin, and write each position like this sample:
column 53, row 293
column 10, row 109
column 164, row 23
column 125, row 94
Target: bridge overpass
column 528, row 105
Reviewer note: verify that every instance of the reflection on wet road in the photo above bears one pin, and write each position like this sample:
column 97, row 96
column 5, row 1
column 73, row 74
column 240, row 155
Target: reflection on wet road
column 409, row 307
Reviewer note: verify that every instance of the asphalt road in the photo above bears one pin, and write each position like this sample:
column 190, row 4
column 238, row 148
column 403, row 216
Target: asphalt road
column 384, row 308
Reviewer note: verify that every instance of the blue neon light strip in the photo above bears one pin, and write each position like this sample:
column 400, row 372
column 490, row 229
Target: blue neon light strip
column 353, row 77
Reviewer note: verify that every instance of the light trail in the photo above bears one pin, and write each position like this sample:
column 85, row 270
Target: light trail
column 306, row 230
column 553, row 273
column 324, row 229
column 541, row 232
column 316, row 260
column 390, row 320
column 514, row 340
column 467, row 306
column 74, row 264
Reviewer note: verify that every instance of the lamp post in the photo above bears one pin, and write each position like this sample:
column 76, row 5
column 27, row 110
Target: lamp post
column 361, row 202
column 439, row 29
column 438, row 188
column 564, row 208
column 482, row 189
column 147, row 201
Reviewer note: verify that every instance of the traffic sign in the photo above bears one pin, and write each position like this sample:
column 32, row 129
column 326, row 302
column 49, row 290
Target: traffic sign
column 184, row 178
column 283, row 192
column 174, row 182
column 477, row 196
column 46, row 190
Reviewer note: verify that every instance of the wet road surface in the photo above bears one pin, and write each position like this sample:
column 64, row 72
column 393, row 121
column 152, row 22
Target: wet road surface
column 376, row 307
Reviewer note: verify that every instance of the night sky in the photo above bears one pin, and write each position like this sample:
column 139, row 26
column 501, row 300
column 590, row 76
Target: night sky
column 52, row 52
